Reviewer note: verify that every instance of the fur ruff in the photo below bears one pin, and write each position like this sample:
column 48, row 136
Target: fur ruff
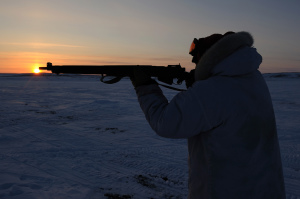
column 219, row 51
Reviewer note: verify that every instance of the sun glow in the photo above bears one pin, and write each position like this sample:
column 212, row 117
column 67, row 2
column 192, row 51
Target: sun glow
column 36, row 70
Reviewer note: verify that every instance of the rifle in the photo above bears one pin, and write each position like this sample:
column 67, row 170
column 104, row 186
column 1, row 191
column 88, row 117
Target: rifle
column 162, row 73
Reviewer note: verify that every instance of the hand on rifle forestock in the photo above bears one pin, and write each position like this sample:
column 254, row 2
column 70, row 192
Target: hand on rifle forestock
column 140, row 78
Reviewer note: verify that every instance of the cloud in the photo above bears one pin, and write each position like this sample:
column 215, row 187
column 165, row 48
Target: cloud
column 43, row 45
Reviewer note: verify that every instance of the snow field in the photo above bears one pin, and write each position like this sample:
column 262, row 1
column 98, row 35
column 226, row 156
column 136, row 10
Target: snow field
column 72, row 136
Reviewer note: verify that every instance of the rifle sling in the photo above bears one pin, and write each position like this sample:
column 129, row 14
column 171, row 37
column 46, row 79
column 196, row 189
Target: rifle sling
column 111, row 81
column 172, row 88
column 117, row 79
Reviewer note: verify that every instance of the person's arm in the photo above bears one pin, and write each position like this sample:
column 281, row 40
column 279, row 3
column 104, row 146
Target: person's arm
column 183, row 117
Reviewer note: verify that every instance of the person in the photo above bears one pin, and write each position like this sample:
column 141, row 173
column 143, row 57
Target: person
column 227, row 116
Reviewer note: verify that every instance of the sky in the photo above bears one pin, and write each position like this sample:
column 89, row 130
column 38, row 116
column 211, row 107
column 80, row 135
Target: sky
column 156, row 32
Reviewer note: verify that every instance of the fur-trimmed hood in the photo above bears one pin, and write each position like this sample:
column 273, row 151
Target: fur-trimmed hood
column 232, row 55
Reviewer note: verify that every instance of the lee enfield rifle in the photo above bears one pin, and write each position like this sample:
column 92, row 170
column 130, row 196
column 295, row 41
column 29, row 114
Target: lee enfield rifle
column 162, row 73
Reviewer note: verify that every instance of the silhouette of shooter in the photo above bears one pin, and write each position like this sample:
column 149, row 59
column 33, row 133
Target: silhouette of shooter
column 227, row 116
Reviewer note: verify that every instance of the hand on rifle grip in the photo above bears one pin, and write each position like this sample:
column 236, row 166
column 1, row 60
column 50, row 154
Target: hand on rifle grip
column 190, row 79
column 140, row 78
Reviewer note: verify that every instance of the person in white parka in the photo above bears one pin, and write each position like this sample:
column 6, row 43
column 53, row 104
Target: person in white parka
column 228, row 118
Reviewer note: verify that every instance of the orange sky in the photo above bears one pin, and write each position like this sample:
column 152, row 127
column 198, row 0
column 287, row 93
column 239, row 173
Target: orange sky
column 27, row 62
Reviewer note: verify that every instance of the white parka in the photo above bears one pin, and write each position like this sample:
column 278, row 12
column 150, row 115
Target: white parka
column 228, row 118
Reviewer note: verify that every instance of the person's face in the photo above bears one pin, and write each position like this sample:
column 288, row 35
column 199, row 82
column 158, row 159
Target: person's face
column 196, row 58
column 194, row 52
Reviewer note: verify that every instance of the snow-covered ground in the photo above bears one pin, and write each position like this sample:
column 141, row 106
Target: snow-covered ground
column 72, row 136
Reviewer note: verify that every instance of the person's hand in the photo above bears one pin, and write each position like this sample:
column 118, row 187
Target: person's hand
column 190, row 79
column 140, row 78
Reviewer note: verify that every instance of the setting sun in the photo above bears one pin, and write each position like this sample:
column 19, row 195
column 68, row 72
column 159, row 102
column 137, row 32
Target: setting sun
column 36, row 70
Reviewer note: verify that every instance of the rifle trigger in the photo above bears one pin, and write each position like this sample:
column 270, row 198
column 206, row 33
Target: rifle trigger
column 111, row 81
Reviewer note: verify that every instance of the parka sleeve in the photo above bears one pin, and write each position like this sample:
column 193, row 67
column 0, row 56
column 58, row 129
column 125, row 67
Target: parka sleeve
column 182, row 117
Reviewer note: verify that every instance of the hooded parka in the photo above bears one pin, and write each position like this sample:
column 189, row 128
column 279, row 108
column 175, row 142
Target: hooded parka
column 228, row 118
